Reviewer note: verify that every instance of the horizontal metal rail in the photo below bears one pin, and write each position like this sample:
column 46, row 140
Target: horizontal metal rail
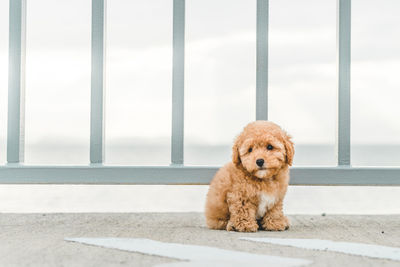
column 186, row 175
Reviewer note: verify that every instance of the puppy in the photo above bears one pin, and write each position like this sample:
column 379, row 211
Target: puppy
column 247, row 193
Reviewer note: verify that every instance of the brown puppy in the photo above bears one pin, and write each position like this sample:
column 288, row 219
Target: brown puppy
column 248, row 192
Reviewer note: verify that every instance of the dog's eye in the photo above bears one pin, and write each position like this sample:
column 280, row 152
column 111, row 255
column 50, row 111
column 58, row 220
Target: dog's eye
column 250, row 149
column 270, row 147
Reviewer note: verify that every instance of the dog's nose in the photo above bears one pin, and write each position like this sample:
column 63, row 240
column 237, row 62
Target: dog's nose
column 260, row 162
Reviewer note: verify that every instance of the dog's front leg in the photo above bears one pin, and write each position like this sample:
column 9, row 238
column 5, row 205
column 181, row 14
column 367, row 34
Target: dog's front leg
column 274, row 220
column 242, row 214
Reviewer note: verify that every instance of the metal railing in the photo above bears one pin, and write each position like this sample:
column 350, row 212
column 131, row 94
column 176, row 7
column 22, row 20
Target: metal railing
column 177, row 173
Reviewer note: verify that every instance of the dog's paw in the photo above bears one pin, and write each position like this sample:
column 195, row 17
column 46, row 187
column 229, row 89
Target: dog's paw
column 275, row 224
column 242, row 226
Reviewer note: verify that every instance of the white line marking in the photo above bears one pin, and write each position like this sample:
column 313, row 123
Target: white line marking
column 197, row 255
column 359, row 249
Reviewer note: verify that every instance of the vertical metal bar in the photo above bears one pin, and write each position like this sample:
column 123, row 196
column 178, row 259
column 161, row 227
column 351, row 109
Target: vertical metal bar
column 97, row 82
column 178, row 82
column 16, row 82
column 262, row 60
column 344, row 59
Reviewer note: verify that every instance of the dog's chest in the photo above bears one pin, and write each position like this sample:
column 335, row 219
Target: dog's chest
column 266, row 201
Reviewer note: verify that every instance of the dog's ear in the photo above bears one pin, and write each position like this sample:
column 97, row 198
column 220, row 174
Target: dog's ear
column 289, row 147
column 235, row 152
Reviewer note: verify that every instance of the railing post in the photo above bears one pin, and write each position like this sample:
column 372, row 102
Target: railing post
column 262, row 61
column 97, row 82
column 16, row 82
column 343, row 65
column 178, row 77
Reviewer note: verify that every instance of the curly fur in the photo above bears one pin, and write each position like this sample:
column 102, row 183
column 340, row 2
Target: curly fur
column 241, row 190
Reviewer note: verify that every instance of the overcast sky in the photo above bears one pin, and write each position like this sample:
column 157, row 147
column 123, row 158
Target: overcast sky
column 220, row 70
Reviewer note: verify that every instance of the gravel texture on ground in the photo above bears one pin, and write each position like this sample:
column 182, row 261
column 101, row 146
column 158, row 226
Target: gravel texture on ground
column 38, row 239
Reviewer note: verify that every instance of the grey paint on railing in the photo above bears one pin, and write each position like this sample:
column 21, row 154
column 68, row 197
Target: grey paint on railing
column 178, row 78
column 97, row 82
column 177, row 173
column 100, row 174
column 262, row 61
column 344, row 59
column 16, row 82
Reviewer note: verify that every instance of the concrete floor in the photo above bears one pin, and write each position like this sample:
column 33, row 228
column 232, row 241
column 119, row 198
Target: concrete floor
column 38, row 239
